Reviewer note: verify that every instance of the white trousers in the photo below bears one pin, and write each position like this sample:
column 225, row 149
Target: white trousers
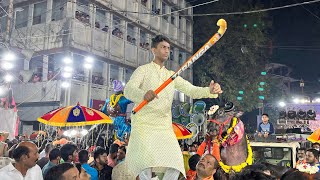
column 170, row 174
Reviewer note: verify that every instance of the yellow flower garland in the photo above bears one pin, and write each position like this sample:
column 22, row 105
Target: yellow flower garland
column 238, row 168
column 114, row 101
column 234, row 123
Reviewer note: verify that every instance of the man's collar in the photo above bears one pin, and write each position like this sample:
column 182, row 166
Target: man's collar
column 11, row 167
column 157, row 65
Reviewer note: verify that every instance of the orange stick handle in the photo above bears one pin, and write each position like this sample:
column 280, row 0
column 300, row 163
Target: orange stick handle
column 215, row 38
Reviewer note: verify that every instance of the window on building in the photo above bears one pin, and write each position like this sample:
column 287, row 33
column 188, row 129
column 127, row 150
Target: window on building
column 101, row 20
column 180, row 22
column 173, row 18
column 58, row 9
column 180, row 59
column 131, row 35
column 164, row 11
column 171, row 55
column 143, row 40
column 188, row 28
column 155, row 8
column 82, row 12
column 39, row 13
column 114, row 73
column 22, row 17
column 127, row 74
column 117, row 27
column 144, row 2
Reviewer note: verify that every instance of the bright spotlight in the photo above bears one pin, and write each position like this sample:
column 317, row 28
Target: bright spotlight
column 2, row 91
column 296, row 100
column 66, row 133
column 87, row 66
column 66, row 74
column 317, row 100
column 65, row 84
column 89, row 59
column 282, row 104
column 8, row 77
column 123, row 84
column 7, row 65
column 84, row 132
column 68, row 69
column 9, row 56
column 67, row 60
column 73, row 132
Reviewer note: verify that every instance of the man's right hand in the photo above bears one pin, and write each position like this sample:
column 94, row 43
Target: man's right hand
column 259, row 134
column 150, row 95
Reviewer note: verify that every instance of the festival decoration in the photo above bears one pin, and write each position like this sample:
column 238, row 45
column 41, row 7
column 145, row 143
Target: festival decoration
column 181, row 131
column 314, row 137
column 307, row 168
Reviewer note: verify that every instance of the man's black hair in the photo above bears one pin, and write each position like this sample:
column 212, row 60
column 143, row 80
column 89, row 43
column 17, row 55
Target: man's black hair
column 113, row 148
column 98, row 152
column 83, row 156
column 314, row 152
column 67, row 150
column 54, row 154
column 302, row 149
column 19, row 151
column 158, row 39
column 56, row 172
column 265, row 114
column 123, row 148
column 193, row 161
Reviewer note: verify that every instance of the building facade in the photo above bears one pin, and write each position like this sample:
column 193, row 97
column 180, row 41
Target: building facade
column 116, row 34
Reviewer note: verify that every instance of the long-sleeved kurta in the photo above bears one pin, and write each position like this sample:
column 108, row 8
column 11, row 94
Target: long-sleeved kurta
column 152, row 141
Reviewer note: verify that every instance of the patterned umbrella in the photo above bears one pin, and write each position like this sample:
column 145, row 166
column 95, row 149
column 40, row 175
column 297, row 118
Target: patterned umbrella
column 74, row 116
column 315, row 136
column 181, row 131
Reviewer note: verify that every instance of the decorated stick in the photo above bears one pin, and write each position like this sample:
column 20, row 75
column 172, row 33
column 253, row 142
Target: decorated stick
column 223, row 27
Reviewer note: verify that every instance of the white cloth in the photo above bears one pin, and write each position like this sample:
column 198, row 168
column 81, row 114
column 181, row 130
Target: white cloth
column 8, row 121
column 9, row 172
column 152, row 140
column 42, row 154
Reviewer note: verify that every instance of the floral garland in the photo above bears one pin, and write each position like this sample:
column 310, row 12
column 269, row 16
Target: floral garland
column 238, row 168
column 307, row 168
column 230, row 129
column 114, row 101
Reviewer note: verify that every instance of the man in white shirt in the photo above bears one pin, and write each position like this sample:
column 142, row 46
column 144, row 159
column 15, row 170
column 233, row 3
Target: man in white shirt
column 25, row 167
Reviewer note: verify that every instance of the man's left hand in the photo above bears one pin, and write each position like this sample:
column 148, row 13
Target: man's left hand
column 215, row 88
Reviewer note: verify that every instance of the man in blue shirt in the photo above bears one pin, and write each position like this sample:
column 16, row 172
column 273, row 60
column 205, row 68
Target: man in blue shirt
column 83, row 159
column 54, row 159
column 265, row 127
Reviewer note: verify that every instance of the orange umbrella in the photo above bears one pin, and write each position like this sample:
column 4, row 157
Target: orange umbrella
column 315, row 136
column 74, row 116
column 181, row 131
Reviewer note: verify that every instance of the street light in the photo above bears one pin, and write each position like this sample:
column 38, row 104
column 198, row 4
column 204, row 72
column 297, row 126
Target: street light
column 87, row 65
column 66, row 74
column 8, row 77
column 65, row 84
column 282, row 104
column 67, row 60
column 7, row 65
column 296, row 100
column 68, row 69
column 9, row 57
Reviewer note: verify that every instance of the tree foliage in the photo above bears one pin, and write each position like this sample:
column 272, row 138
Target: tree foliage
column 237, row 60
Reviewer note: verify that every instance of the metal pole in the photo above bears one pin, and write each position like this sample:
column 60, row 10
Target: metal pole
column 89, row 86
column 10, row 13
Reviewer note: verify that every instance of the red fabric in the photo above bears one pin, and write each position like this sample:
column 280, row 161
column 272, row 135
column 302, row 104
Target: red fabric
column 49, row 115
column 89, row 117
column 191, row 174
column 215, row 150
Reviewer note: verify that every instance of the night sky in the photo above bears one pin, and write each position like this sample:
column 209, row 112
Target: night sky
column 295, row 36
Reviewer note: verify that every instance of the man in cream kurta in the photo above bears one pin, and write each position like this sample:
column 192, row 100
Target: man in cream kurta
column 152, row 142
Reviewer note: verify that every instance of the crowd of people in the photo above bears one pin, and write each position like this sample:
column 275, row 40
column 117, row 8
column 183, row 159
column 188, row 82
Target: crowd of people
column 50, row 161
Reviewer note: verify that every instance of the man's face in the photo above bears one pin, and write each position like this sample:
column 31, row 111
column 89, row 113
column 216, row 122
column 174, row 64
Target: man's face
column 265, row 119
column 71, row 174
column 162, row 51
column 75, row 156
column 205, row 166
column 32, row 157
column 121, row 154
column 301, row 155
column 316, row 146
column 310, row 158
column 103, row 159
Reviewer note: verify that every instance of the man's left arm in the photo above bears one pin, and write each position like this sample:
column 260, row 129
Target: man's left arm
column 192, row 91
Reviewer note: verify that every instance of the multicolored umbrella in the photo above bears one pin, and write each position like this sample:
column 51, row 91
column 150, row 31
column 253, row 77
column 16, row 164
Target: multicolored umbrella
column 74, row 116
column 181, row 131
column 315, row 136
